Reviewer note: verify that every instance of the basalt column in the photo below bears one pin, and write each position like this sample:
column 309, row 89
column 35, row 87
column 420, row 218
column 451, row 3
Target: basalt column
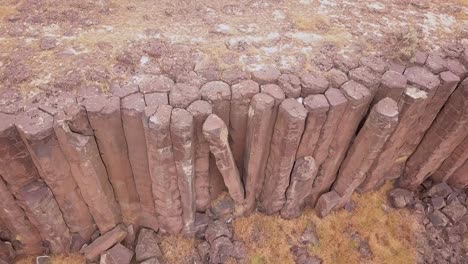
column 36, row 130
column 287, row 134
column 379, row 125
column 79, row 147
column 392, row 85
column 163, row 171
column 452, row 163
column 182, row 135
column 460, row 177
column 445, row 134
column 410, row 106
column 219, row 95
column 242, row 94
column 200, row 110
column 105, row 118
column 358, row 98
column 133, row 115
column 256, row 146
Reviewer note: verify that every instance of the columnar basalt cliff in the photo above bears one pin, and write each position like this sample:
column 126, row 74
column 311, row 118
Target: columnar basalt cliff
column 85, row 170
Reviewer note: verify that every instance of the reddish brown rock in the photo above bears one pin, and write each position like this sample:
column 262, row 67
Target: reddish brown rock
column 104, row 242
column 376, row 64
column 156, row 84
column 266, row 75
column 419, row 59
column 291, row 85
column 216, row 133
column 410, row 106
column 242, row 94
column 366, row 147
column 182, row 95
column 302, row 178
column 313, row 84
column 288, row 129
column 345, row 63
column 7, row 252
column 182, row 135
column 326, row 203
column 200, row 110
column 27, row 239
column 118, row 254
column 393, row 84
column 460, row 177
column 359, row 98
column 147, row 245
column 123, row 90
column 44, row 213
column 163, row 171
column 88, row 170
column 255, row 154
column 452, row 163
column 366, row 77
column 456, row 68
column 106, row 120
column 435, row 63
column 336, row 78
column 219, row 95
column 156, row 99
column 444, row 135
column 317, row 107
column 234, row 75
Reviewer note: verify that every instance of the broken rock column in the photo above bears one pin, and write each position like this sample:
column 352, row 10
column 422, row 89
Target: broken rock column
column 256, row 146
column 216, row 133
column 378, row 127
column 79, row 147
column 392, row 85
column 200, row 110
column 302, row 178
column 460, row 177
column 105, row 118
column 36, row 129
column 163, row 171
column 452, row 163
column 182, row 135
column 445, row 134
column 288, row 129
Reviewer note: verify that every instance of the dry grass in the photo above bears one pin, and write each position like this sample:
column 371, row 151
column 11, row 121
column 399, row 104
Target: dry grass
column 62, row 259
column 177, row 249
column 390, row 233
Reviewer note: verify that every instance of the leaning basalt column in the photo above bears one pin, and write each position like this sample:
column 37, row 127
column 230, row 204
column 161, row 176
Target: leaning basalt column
column 392, row 85
column 36, row 130
column 365, row 149
column 48, row 219
column 317, row 107
column 79, row 147
column 359, row 98
column 105, row 118
column 460, row 177
column 302, row 178
column 26, row 238
column 216, row 133
column 242, row 94
column 288, row 129
column 452, row 163
column 445, row 134
column 183, row 135
column 256, row 146
column 218, row 93
column 133, row 115
column 163, row 171
column 409, row 107
column 200, row 110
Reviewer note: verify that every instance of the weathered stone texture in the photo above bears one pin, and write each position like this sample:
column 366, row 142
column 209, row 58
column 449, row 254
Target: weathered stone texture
column 460, row 177
column 366, row 147
column 288, row 129
column 313, row 84
column 106, row 120
column 256, row 146
column 104, row 242
column 216, row 133
column 326, row 203
column 156, row 84
column 452, row 163
column 366, row 77
column 118, row 254
column 183, row 136
column 317, row 107
column 266, row 75
column 302, row 178
column 445, row 134
column 182, row 95
column 359, row 98
column 291, row 85
column 392, row 85
column 163, row 171
column 410, row 106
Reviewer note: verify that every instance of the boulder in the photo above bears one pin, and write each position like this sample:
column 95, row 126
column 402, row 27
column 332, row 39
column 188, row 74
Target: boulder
column 326, row 203
column 147, row 245
column 217, row 229
column 104, row 242
column 438, row 219
column 221, row 250
column 118, row 254
column 400, row 198
column 455, row 211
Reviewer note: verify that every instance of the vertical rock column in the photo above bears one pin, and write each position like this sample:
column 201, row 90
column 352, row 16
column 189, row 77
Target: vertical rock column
column 163, row 171
column 460, row 177
column 452, row 163
column 105, row 118
column 358, row 98
column 200, row 110
column 219, row 95
column 216, row 133
column 410, row 106
column 242, row 94
column 288, row 129
column 133, row 115
column 392, row 85
column 445, row 134
column 79, row 147
column 36, row 130
column 378, row 127
column 256, row 146
column 182, row 135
